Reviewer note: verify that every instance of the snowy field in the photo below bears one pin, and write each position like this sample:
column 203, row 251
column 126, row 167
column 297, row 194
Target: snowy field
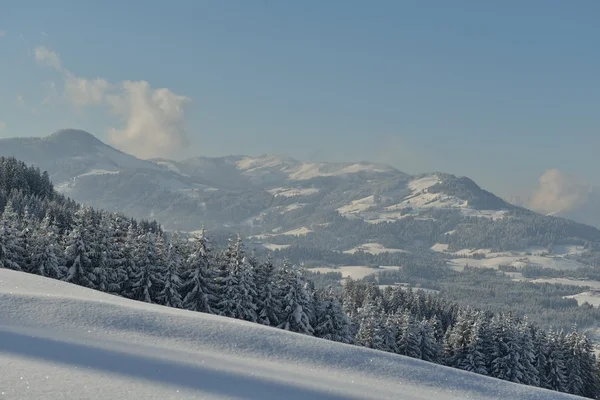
column 59, row 341
column 353, row 271
column 374, row 248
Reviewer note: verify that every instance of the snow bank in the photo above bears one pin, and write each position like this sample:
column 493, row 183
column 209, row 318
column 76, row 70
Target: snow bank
column 61, row 341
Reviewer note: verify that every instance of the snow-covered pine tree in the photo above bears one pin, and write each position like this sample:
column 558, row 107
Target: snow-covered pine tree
column 477, row 347
column 295, row 300
column 12, row 252
column 268, row 296
column 555, row 372
column 429, row 347
column 526, row 345
column 199, row 287
column 506, row 354
column 409, row 340
column 169, row 294
column 331, row 321
column 145, row 280
column 369, row 327
column 102, row 263
column 573, row 366
column 29, row 225
column 47, row 257
column 237, row 289
column 78, row 252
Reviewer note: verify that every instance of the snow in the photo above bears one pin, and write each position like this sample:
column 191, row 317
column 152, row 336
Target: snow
column 490, row 214
column 440, row 247
column 99, row 172
column 493, row 261
column 373, row 248
column 308, row 171
column 61, row 341
column 298, row 232
column 291, row 192
column 418, row 185
column 592, row 297
column 357, row 206
column 568, row 281
column 124, row 160
column 273, row 247
column 171, row 167
column 353, row 271
column 292, row 207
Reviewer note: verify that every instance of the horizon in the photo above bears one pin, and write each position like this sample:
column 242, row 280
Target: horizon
column 419, row 88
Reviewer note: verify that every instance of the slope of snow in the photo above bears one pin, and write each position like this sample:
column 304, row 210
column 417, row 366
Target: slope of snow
column 357, row 206
column 125, row 160
column 291, row 192
column 418, row 185
column 352, row 271
column 297, row 232
column 63, row 342
column 373, row 248
column 592, row 297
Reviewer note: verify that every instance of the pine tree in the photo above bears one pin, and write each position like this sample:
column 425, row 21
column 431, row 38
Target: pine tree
column 295, row 301
column 46, row 254
column 477, row 347
column 78, row 253
column 238, row 289
column 171, row 264
column 12, row 251
column 145, row 281
column 409, row 341
column 199, row 279
column 555, row 372
column 429, row 348
column 269, row 302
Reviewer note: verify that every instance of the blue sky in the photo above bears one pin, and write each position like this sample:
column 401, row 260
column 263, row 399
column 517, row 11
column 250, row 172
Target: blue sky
column 498, row 91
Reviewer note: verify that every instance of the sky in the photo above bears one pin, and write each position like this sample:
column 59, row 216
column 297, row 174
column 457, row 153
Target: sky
column 506, row 93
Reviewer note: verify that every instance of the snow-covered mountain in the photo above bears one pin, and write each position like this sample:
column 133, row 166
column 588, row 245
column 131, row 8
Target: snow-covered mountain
column 62, row 341
column 279, row 201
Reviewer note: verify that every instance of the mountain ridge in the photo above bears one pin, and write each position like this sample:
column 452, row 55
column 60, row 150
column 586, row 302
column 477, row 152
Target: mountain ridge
column 289, row 204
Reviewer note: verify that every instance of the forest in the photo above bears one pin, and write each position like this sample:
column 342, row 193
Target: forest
column 44, row 233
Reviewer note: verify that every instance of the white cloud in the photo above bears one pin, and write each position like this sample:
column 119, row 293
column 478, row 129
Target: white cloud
column 84, row 92
column 20, row 101
column 153, row 119
column 47, row 58
column 558, row 192
column 3, row 33
column 2, row 125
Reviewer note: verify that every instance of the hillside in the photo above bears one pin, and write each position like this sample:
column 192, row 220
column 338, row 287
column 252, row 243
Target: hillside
column 65, row 341
column 316, row 212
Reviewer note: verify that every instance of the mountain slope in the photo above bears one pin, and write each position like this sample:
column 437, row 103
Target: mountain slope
column 315, row 212
column 63, row 341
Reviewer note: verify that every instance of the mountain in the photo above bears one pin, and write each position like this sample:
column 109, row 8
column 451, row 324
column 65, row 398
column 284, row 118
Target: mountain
column 317, row 212
column 65, row 341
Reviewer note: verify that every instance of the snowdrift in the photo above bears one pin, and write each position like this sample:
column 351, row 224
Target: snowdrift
column 61, row 341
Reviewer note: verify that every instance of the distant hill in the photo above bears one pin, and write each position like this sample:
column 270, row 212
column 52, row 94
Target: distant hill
column 315, row 211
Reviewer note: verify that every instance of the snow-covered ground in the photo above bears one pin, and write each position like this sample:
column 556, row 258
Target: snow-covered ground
column 517, row 261
column 291, row 192
column 273, row 246
column 592, row 297
column 374, row 248
column 59, row 341
column 352, row 271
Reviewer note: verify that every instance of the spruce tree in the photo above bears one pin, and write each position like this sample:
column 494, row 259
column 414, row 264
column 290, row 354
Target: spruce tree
column 199, row 278
column 295, row 301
